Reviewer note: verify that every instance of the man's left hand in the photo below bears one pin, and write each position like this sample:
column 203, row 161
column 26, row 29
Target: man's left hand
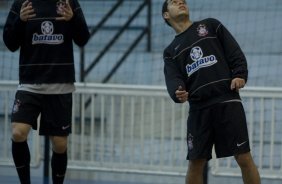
column 65, row 12
column 237, row 83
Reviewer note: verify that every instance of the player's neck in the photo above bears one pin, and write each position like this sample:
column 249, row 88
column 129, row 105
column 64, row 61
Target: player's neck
column 182, row 26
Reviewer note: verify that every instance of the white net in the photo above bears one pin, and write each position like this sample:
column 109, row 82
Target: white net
column 255, row 25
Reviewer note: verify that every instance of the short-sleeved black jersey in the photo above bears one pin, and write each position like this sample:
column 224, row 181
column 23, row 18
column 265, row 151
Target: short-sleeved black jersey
column 46, row 48
column 203, row 60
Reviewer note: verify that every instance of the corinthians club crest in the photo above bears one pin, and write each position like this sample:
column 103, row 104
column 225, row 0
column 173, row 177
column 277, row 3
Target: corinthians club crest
column 190, row 142
column 17, row 104
column 202, row 30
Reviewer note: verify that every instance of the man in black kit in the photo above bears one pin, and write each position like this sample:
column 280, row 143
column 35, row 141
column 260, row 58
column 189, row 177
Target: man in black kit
column 205, row 66
column 44, row 30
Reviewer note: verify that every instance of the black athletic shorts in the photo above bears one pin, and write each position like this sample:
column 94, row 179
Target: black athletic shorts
column 222, row 125
column 55, row 112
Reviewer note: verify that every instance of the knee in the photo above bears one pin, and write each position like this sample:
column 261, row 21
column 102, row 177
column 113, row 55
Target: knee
column 19, row 134
column 59, row 144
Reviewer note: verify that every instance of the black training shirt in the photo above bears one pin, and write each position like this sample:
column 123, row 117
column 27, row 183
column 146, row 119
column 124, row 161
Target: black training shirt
column 46, row 49
column 203, row 60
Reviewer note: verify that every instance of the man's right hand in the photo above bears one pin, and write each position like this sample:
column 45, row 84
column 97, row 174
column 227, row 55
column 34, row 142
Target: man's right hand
column 27, row 11
column 181, row 94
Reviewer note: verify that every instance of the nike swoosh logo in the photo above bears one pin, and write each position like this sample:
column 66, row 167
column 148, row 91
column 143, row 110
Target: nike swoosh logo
column 19, row 167
column 60, row 176
column 240, row 144
column 177, row 47
column 65, row 127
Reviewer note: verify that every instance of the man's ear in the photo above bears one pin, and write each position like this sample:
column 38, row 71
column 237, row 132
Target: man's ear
column 166, row 15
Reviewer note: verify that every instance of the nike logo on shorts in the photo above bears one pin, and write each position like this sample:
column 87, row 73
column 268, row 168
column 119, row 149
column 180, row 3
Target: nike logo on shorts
column 240, row 144
column 60, row 176
column 19, row 167
column 65, row 127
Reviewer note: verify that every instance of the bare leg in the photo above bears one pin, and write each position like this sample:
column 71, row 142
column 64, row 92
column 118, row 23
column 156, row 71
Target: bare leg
column 195, row 171
column 249, row 170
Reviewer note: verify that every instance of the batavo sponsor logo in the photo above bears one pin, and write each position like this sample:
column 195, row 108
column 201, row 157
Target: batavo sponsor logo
column 47, row 36
column 196, row 55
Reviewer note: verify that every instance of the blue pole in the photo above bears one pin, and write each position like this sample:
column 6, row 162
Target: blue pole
column 46, row 160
